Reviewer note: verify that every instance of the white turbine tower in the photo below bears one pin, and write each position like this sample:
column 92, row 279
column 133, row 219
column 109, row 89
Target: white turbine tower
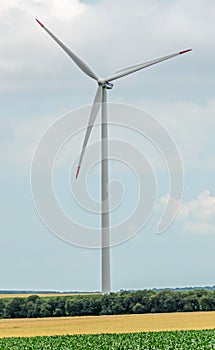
column 100, row 100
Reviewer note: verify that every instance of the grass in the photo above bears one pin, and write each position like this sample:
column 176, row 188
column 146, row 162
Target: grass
column 107, row 324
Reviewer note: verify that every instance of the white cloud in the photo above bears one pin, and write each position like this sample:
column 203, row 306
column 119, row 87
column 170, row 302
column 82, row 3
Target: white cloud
column 201, row 209
column 197, row 215
column 61, row 9
column 109, row 35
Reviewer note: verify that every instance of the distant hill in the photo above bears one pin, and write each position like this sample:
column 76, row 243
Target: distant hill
column 177, row 289
column 184, row 289
column 38, row 292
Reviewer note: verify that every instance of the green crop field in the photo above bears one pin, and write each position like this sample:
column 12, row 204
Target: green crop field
column 183, row 340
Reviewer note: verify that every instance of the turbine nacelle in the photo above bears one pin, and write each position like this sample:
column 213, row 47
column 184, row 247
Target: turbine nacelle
column 105, row 84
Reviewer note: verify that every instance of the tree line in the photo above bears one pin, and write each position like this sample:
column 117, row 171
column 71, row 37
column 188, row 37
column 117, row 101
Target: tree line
column 139, row 302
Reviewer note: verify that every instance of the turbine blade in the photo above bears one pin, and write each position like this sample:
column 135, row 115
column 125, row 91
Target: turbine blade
column 137, row 67
column 93, row 114
column 82, row 65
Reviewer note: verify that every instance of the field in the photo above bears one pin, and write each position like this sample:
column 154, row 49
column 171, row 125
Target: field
column 106, row 324
column 10, row 296
column 183, row 340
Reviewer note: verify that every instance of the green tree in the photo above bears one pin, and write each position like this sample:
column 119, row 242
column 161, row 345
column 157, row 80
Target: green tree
column 46, row 309
column 138, row 308
column 118, row 308
column 207, row 302
column 33, row 306
column 16, row 308
column 2, row 307
column 172, row 302
column 165, row 301
column 191, row 302
column 59, row 306
column 73, row 307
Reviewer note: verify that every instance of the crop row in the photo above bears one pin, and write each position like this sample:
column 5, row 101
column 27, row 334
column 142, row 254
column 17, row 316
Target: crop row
column 183, row 340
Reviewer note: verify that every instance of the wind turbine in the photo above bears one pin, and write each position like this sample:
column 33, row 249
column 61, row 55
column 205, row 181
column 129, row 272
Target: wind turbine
column 100, row 101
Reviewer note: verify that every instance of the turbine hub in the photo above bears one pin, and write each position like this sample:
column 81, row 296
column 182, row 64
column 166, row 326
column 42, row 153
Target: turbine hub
column 108, row 85
column 105, row 84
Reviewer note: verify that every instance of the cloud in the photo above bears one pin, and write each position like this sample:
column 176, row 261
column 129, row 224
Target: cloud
column 197, row 215
column 25, row 58
column 192, row 127
column 108, row 34
column 201, row 209
column 63, row 9
column 180, row 94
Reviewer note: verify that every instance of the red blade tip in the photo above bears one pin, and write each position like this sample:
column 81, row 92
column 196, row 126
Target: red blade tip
column 39, row 22
column 79, row 167
column 181, row 52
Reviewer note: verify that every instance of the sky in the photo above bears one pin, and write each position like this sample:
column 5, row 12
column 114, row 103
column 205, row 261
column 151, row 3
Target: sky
column 39, row 84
